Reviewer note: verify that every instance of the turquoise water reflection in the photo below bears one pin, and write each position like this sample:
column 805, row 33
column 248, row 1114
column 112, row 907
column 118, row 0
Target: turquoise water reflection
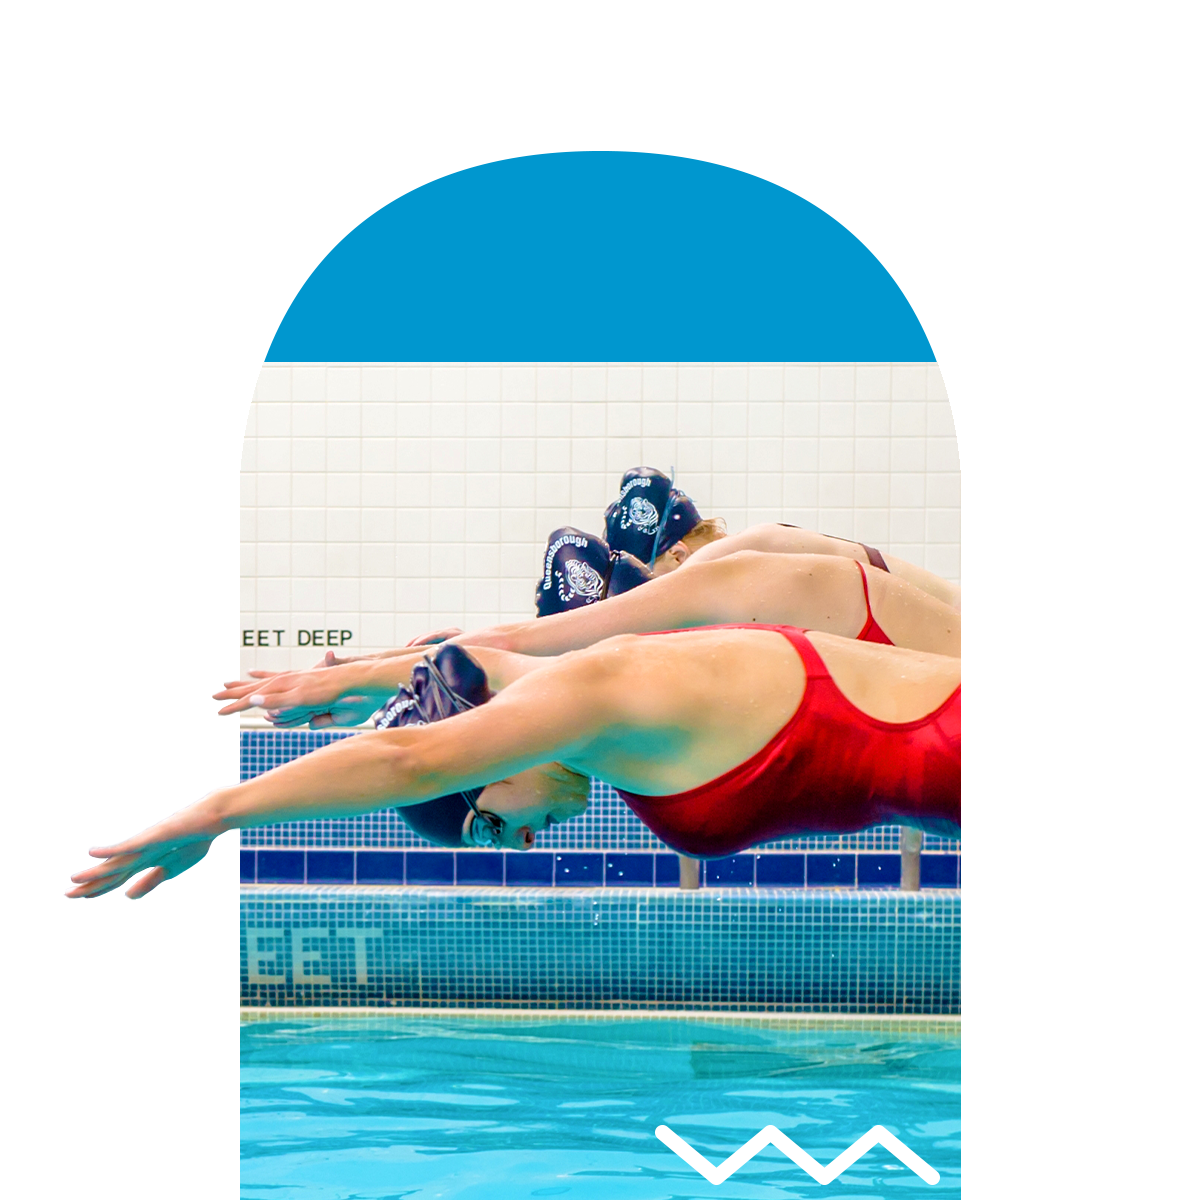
column 385, row 1107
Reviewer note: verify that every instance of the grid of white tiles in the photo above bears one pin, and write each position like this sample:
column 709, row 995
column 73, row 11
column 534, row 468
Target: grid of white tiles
column 392, row 499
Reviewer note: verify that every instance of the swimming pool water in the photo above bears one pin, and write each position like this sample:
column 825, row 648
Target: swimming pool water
column 379, row 1108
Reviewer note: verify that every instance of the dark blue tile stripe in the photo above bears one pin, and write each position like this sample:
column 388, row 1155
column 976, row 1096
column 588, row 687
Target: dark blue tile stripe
column 586, row 869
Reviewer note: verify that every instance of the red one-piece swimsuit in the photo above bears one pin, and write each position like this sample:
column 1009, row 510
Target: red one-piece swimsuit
column 830, row 769
column 871, row 631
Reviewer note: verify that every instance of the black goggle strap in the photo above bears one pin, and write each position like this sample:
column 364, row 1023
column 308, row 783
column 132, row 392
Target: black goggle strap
column 663, row 523
column 459, row 703
column 612, row 566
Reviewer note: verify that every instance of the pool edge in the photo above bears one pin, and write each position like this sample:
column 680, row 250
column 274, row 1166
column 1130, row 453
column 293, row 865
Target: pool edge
column 950, row 1023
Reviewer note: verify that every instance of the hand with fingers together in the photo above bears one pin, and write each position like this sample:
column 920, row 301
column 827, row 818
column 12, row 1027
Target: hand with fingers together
column 337, row 695
column 162, row 852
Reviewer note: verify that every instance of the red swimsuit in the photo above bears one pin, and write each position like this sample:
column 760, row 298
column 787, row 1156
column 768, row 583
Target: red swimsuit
column 870, row 632
column 830, row 769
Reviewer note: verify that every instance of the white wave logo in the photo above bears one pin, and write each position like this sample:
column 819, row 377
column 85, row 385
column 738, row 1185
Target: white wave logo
column 770, row 1136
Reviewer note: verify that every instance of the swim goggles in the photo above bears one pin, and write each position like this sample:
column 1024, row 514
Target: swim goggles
column 486, row 828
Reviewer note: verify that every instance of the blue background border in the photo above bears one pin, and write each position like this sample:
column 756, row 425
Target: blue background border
column 690, row 183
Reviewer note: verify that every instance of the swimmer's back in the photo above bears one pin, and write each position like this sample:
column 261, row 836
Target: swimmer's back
column 791, row 539
column 684, row 707
column 829, row 769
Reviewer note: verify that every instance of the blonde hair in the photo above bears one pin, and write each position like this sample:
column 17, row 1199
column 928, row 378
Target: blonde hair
column 711, row 529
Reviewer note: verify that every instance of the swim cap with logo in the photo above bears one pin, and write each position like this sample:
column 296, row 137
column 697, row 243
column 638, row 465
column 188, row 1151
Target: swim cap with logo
column 579, row 568
column 649, row 515
column 447, row 682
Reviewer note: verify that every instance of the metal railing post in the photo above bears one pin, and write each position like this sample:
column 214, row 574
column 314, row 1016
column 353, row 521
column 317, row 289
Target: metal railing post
column 911, row 841
column 689, row 872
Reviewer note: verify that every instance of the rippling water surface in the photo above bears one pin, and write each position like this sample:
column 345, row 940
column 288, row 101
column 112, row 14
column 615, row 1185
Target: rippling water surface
column 379, row 1108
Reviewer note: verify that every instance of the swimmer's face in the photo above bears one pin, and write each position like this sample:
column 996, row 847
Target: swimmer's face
column 530, row 802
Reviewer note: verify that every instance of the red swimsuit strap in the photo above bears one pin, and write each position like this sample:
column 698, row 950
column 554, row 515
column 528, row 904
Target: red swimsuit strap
column 866, row 590
column 829, row 768
column 814, row 664
column 871, row 631
column 817, row 672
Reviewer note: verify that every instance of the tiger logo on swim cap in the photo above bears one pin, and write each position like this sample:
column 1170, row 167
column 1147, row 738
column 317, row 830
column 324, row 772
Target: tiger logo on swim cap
column 642, row 515
column 579, row 569
column 582, row 579
column 576, row 567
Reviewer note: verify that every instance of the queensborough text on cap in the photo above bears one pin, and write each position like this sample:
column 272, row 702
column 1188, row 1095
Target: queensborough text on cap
column 579, row 568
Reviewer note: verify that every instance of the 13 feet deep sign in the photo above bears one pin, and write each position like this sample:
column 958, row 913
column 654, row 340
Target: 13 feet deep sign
column 202, row 629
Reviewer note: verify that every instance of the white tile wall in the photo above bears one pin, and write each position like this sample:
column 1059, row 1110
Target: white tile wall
column 389, row 500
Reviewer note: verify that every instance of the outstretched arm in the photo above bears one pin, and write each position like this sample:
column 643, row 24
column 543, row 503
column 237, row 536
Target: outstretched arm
column 704, row 597
column 433, row 638
column 737, row 588
column 347, row 694
column 546, row 714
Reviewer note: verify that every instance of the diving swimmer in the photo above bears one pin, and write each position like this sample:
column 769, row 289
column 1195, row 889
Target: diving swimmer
column 717, row 738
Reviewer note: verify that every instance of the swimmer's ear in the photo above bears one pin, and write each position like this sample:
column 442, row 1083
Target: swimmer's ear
column 677, row 554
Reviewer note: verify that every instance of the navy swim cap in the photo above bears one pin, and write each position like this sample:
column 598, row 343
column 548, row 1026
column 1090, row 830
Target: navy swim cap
column 627, row 573
column 448, row 682
column 579, row 568
column 649, row 515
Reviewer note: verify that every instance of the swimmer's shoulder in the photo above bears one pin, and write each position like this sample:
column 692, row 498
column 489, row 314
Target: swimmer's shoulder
column 595, row 664
column 769, row 536
column 627, row 652
column 832, row 644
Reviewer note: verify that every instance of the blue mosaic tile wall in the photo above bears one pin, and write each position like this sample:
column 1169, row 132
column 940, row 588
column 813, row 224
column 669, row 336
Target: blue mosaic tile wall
column 118, row 781
column 765, row 949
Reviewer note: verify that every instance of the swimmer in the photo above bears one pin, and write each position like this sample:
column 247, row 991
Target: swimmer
column 652, row 521
column 811, row 591
column 718, row 739
column 633, row 523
